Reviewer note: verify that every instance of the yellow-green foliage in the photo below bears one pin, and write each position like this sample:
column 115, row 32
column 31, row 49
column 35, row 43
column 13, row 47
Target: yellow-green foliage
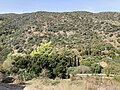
column 7, row 64
column 43, row 49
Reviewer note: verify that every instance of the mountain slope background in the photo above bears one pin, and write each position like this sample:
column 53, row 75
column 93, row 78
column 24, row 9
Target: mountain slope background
column 91, row 36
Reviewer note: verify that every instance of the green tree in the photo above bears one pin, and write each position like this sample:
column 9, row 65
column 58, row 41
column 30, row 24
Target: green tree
column 96, row 68
column 45, row 61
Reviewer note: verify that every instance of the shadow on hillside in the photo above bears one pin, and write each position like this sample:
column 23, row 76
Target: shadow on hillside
column 5, row 86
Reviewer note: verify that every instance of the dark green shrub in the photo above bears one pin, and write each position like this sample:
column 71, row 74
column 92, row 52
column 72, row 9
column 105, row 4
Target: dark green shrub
column 96, row 68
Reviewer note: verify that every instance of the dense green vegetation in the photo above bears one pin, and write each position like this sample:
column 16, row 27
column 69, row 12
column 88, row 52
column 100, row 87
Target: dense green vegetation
column 72, row 39
column 43, row 61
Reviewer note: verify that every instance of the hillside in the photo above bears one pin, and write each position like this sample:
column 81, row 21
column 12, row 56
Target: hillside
column 89, row 35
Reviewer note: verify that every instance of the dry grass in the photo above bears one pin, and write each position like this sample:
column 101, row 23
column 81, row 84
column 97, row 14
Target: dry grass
column 89, row 83
column 68, row 85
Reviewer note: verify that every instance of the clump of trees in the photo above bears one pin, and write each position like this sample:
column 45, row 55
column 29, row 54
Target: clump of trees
column 44, row 61
column 50, row 60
